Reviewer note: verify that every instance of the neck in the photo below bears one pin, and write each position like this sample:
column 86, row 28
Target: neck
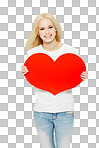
column 51, row 45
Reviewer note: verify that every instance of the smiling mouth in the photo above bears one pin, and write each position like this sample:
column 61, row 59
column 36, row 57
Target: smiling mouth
column 48, row 36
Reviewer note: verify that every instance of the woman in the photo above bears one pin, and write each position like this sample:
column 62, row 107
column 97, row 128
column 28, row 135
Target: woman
column 51, row 113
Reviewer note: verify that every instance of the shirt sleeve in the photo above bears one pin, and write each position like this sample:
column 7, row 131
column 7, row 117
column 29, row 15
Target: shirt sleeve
column 76, row 50
column 31, row 51
column 28, row 53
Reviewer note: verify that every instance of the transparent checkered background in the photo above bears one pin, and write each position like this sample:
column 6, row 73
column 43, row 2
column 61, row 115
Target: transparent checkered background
column 80, row 24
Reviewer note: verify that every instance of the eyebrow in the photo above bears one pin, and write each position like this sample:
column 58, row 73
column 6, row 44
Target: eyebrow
column 48, row 26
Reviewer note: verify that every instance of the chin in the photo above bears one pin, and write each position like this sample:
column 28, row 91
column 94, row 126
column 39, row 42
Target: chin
column 48, row 40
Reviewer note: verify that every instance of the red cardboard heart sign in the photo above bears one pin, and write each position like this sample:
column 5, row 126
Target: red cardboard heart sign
column 54, row 76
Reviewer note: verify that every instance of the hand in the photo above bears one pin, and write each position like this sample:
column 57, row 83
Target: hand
column 24, row 69
column 84, row 75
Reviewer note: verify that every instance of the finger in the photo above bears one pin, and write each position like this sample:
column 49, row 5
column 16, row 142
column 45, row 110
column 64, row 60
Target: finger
column 24, row 69
column 24, row 73
column 83, row 75
column 83, row 79
column 84, row 72
column 23, row 66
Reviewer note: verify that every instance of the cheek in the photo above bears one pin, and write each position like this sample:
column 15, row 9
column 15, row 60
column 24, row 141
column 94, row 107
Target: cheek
column 41, row 33
column 53, row 31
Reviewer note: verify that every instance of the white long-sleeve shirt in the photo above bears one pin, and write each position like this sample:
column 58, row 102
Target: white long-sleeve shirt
column 46, row 101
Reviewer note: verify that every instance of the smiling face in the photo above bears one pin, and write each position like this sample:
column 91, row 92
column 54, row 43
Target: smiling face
column 47, row 31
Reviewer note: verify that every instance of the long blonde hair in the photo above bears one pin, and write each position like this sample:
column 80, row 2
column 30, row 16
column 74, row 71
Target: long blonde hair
column 34, row 39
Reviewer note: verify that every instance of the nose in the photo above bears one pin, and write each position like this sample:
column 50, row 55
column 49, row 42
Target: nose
column 46, row 31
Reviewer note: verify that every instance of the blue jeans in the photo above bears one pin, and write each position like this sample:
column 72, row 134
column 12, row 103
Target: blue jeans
column 54, row 129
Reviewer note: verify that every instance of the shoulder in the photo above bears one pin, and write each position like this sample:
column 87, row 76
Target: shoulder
column 32, row 51
column 71, row 48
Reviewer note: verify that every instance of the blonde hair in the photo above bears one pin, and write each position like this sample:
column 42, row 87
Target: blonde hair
column 34, row 39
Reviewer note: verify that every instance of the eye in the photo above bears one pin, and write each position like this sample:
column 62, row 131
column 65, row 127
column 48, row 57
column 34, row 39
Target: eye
column 50, row 27
column 41, row 29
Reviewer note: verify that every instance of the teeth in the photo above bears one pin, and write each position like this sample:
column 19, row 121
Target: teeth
column 48, row 35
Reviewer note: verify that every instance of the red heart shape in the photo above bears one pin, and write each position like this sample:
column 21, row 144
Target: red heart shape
column 54, row 77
